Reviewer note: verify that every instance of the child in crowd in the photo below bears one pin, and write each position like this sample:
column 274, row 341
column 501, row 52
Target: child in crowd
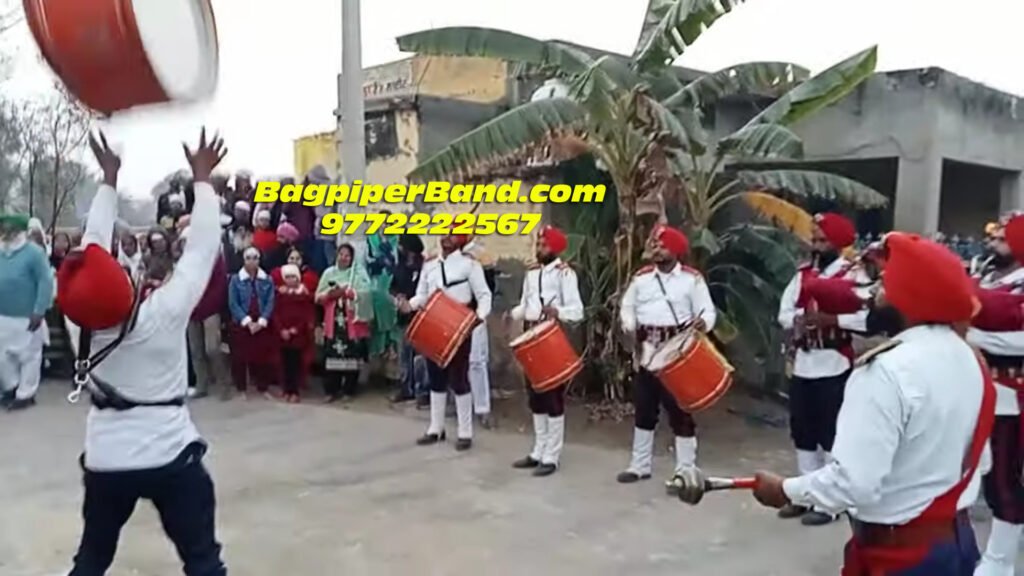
column 294, row 319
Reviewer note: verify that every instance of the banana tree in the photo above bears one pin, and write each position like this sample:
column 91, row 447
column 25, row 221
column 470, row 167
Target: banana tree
column 646, row 128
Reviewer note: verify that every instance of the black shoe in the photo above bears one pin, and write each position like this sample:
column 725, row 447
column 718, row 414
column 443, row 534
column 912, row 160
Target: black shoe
column 430, row 439
column 526, row 463
column 6, row 399
column 545, row 470
column 463, row 444
column 21, row 404
column 631, row 477
column 815, row 518
column 792, row 511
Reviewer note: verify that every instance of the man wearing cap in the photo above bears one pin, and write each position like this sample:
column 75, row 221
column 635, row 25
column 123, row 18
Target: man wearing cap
column 26, row 293
column 663, row 299
column 823, row 353
column 999, row 334
column 140, row 441
column 910, row 442
column 550, row 292
column 462, row 279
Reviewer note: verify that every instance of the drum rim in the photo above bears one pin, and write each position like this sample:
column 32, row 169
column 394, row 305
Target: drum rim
column 530, row 334
column 562, row 377
column 687, row 336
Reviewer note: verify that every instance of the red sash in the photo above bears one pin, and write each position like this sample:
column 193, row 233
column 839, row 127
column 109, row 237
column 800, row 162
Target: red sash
column 866, row 561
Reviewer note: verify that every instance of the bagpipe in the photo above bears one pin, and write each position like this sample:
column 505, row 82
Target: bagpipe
column 1002, row 308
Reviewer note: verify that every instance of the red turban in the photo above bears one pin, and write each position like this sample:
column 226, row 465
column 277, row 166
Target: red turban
column 926, row 282
column 93, row 291
column 555, row 239
column 673, row 240
column 840, row 232
column 1014, row 232
column 461, row 239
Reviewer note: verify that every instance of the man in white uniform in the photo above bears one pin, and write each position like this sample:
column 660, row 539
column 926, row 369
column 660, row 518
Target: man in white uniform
column 823, row 355
column 550, row 292
column 462, row 279
column 910, row 442
column 1000, row 337
column 663, row 300
column 140, row 442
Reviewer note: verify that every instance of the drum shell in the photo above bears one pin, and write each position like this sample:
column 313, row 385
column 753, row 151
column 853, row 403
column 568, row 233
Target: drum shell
column 699, row 377
column 440, row 328
column 548, row 360
column 95, row 47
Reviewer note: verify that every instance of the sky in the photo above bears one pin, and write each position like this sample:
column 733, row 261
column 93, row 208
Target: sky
column 278, row 65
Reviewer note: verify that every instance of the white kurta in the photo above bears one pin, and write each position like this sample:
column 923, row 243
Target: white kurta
column 906, row 424
column 555, row 285
column 815, row 364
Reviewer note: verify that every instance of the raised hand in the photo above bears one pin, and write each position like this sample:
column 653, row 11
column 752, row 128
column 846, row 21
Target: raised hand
column 109, row 162
column 206, row 157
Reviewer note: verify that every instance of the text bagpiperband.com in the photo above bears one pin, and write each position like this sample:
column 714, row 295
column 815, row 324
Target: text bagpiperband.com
column 437, row 192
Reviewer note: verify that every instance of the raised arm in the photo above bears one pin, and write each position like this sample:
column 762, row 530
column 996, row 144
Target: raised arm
column 102, row 217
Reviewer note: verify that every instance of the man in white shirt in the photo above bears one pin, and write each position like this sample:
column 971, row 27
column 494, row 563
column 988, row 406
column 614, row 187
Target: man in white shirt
column 550, row 292
column 462, row 279
column 911, row 436
column 663, row 300
column 823, row 354
column 140, row 442
column 999, row 334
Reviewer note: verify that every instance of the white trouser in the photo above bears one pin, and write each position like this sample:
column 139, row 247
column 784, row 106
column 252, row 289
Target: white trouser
column 21, row 356
column 1001, row 550
column 479, row 379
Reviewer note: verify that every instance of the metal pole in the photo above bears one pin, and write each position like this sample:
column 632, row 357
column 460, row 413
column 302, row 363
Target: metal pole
column 350, row 96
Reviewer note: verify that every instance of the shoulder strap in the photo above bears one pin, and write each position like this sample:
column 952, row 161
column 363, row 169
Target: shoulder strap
column 668, row 301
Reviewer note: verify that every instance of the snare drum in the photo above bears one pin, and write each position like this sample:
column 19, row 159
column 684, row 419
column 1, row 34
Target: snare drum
column 118, row 54
column 692, row 370
column 546, row 356
column 440, row 328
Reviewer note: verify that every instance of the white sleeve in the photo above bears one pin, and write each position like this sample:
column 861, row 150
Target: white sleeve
column 519, row 311
column 571, row 309
column 998, row 343
column 703, row 304
column 179, row 296
column 867, row 435
column 482, row 292
column 99, row 227
column 420, row 299
column 787, row 304
column 627, row 312
column 856, row 322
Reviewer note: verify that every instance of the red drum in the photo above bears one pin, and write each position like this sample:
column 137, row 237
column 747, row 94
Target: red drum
column 440, row 328
column 695, row 373
column 546, row 356
column 118, row 54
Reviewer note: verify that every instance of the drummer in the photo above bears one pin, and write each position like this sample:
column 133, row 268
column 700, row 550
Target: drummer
column 662, row 300
column 823, row 356
column 462, row 279
column 550, row 292
column 910, row 444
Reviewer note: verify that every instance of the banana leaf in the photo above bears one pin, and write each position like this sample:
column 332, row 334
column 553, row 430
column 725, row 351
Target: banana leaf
column 497, row 44
column 762, row 142
column 771, row 79
column 811, row 184
column 672, row 26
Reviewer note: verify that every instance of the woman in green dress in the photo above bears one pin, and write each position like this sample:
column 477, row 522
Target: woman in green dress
column 381, row 257
column 345, row 294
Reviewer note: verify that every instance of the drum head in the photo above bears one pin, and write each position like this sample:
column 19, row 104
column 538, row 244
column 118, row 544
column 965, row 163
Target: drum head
column 670, row 351
column 532, row 333
column 180, row 39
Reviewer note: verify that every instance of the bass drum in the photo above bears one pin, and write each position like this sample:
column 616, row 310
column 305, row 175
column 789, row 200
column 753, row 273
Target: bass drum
column 118, row 54
column 692, row 370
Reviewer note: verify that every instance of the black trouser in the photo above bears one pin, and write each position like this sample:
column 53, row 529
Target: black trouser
column 191, row 367
column 455, row 375
column 183, row 495
column 338, row 383
column 551, row 402
column 813, row 409
column 1004, row 492
column 294, row 371
column 649, row 394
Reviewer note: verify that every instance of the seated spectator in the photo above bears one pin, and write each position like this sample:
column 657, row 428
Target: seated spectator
column 294, row 320
column 254, row 347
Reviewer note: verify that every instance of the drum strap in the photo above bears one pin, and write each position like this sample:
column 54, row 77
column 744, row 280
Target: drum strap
column 444, row 281
column 664, row 293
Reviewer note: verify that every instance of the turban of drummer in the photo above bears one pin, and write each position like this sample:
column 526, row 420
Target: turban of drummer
column 926, row 282
column 1014, row 234
column 554, row 238
column 838, row 229
column 93, row 291
column 461, row 239
column 673, row 240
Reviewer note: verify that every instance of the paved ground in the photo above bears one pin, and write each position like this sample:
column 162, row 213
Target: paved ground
column 321, row 491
